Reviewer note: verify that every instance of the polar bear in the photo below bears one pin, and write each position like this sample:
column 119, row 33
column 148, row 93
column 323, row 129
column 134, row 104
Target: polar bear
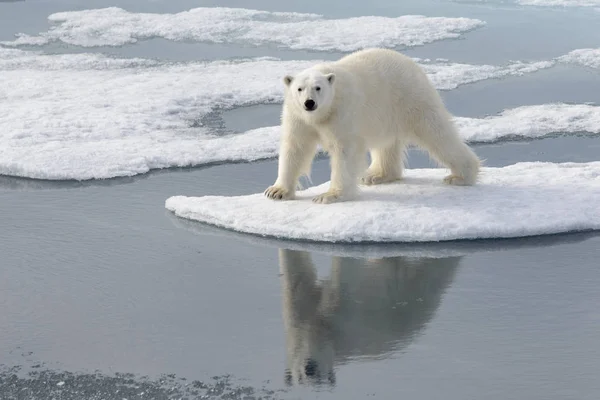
column 377, row 100
column 366, row 309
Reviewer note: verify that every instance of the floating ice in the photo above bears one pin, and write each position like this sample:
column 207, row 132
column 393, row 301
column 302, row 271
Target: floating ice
column 446, row 75
column 382, row 249
column 532, row 122
column 585, row 57
column 115, row 26
column 523, row 199
column 13, row 60
column 86, row 116
column 560, row 3
column 121, row 117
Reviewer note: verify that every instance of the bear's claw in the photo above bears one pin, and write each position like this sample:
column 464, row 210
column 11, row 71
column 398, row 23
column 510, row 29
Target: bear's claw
column 455, row 180
column 371, row 178
column 326, row 198
column 277, row 193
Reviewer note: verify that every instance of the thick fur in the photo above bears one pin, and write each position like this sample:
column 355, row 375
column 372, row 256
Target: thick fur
column 366, row 309
column 374, row 100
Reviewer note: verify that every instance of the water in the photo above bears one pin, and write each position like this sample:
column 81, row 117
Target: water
column 107, row 295
column 100, row 277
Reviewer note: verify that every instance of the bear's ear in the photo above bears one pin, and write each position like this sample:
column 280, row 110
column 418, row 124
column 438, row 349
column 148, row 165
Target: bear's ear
column 330, row 77
column 287, row 80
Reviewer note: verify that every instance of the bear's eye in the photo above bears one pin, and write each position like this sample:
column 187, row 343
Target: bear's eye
column 299, row 89
column 318, row 88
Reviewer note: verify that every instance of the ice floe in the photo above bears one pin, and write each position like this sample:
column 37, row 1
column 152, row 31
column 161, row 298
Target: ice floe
column 447, row 75
column 88, row 116
column 114, row 27
column 121, row 118
column 523, row 199
column 560, row 3
column 379, row 250
column 532, row 122
column 584, row 57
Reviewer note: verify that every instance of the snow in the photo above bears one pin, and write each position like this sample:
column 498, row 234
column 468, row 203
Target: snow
column 88, row 116
column 378, row 250
column 585, row 57
column 60, row 120
column 560, row 3
column 532, row 122
column 523, row 199
column 115, row 27
column 447, row 75
column 15, row 60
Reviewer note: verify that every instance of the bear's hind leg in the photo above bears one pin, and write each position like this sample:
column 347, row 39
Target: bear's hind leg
column 438, row 135
column 387, row 164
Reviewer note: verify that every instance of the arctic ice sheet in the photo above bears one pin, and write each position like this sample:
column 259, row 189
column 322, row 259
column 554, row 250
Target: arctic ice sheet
column 115, row 26
column 523, row 199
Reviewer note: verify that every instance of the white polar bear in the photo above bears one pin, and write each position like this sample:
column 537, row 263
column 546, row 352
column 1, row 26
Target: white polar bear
column 377, row 100
column 367, row 309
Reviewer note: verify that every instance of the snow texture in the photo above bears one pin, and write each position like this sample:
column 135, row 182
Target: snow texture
column 586, row 57
column 381, row 250
column 87, row 116
column 532, row 122
column 121, row 117
column 560, row 3
column 523, row 199
column 447, row 75
column 115, row 27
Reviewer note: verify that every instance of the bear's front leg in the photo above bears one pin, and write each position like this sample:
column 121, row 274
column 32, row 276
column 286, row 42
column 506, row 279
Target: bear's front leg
column 345, row 162
column 296, row 153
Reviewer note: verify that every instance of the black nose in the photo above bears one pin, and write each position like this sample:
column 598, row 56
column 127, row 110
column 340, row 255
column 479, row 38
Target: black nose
column 310, row 369
column 309, row 104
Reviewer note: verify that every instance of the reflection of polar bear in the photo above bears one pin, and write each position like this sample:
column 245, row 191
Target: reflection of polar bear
column 366, row 308
column 377, row 100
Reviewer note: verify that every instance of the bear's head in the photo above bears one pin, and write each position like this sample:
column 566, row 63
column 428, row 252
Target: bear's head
column 310, row 358
column 311, row 92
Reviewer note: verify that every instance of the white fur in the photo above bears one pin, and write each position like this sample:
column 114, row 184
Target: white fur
column 377, row 100
column 365, row 309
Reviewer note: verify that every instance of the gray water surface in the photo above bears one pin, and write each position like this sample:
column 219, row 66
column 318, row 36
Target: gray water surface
column 98, row 276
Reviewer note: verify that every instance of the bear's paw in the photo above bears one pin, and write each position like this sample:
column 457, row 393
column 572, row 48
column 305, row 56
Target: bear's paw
column 278, row 193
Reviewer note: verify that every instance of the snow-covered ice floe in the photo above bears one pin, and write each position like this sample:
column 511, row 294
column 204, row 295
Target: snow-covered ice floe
column 532, row 122
column 88, row 116
column 585, row 57
column 560, row 3
column 446, row 75
column 523, row 199
column 114, row 27
column 112, row 118
column 542, row 3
